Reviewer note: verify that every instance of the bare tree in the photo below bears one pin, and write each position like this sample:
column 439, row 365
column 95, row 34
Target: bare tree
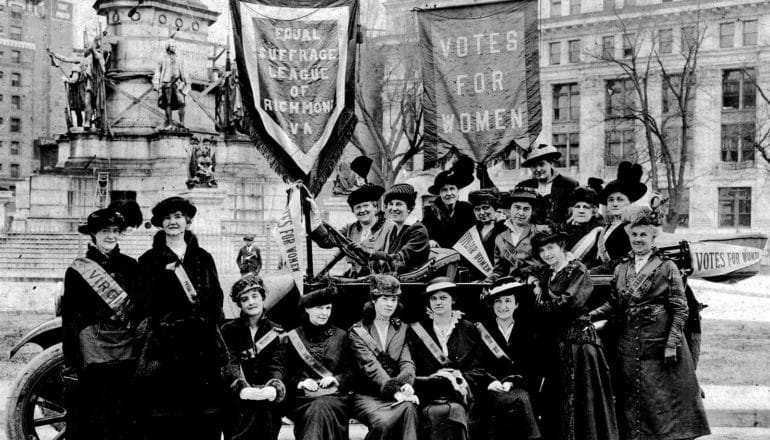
column 758, row 134
column 641, row 62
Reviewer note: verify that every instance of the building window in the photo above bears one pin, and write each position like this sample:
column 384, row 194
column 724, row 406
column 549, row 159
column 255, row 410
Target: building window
column 14, row 33
column 15, row 125
column 14, row 170
column 15, row 148
column 739, row 90
column 665, row 41
column 670, row 101
column 16, row 102
column 574, row 7
column 735, row 207
column 574, row 51
column 726, row 34
column 609, row 5
column 738, row 142
column 16, row 15
column 750, row 33
column 16, row 56
column 555, row 8
column 566, row 103
column 554, row 52
column 620, row 146
column 620, row 98
column 608, row 47
column 568, row 144
column 628, row 45
column 689, row 38
column 16, row 79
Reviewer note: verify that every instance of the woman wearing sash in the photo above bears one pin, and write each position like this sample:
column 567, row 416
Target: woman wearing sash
column 505, row 407
column 485, row 203
column 576, row 400
column 445, row 349
column 585, row 224
column 660, row 396
column 318, row 370
column 99, row 341
column 385, row 400
column 617, row 195
column 254, row 343
column 184, row 369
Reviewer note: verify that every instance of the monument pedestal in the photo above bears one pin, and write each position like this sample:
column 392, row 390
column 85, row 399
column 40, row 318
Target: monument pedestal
column 211, row 209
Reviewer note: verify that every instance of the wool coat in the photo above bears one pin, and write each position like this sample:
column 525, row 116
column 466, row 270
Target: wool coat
column 511, row 256
column 408, row 247
column 445, row 227
column 552, row 208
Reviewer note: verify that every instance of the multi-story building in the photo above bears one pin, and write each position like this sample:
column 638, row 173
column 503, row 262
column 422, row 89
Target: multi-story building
column 581, row 88
column 32, row 99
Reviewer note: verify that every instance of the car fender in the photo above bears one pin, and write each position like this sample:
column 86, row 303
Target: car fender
column 44, row 335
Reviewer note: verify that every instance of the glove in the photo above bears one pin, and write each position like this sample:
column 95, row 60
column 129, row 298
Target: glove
column 326, row 382
column 407, row 389
column 669, row 356
column 270, row 393
column 507, row 386
column 308, row 384
column 401, row 397
column 434, row 244
column 496, row 386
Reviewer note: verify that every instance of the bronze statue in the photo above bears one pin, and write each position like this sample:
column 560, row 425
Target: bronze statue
column 228, row 103
column 202, row 164
column 172, row 83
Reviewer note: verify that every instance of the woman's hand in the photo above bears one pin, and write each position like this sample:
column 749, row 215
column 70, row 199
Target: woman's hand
column 308, row 384
column 496, row 386
column 326, row 382
column 407, row 389
column 401, row 397
column 507, row 386
column 315, row 213
column 252, row 393
column 434, row 244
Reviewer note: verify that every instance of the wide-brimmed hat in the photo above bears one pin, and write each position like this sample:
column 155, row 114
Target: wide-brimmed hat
column 549, row 235
column 130, row 210
column 401, row 191
column 384, row 285
column 485, row 196
column 319, row 297
column 366, row 193
column 460, row 175
column 640, row 215
column 247, row 283
column 540, row 152
column 169, row 206
column 101, row 219
column 503, row 287
column 588, row 194
column 628, row 182
column 519, row 194
column 440, row 284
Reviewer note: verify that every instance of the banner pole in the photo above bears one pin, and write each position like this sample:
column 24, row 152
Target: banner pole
column 308, row 242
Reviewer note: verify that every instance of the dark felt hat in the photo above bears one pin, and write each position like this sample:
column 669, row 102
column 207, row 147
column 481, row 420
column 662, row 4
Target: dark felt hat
column 248, row 237
column 171, row 205
column 540, row 152
column 361, row 166
column 460, row 175
column 130, row 210
column 402, row 191
column 519, row 194
column 247, row 283
column 319, row 297
column 628, row 183
column 503, row 287
column 485, row 196
column 366, row 193
column 546, row 236
column 101, row 219
column 588, row 194
column 384, row 285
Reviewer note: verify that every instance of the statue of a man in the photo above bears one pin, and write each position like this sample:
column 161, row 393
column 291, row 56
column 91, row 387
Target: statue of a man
column 172, row 83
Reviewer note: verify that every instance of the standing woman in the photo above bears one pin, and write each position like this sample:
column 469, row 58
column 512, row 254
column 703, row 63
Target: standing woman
column 385, row 400
column 617, row 195
column 576, row 400
column 505, row 407
column 99, row 319
column 585, row 224
column 445, row 351
column 318, row 372
column 660, row 396
column 185, row 369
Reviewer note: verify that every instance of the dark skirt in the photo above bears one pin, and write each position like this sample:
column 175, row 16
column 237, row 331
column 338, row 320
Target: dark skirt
column 320, row 418
column 507, row 416
column 184, row 426
column 249, row 419
column 385, row 420
column 443, row 420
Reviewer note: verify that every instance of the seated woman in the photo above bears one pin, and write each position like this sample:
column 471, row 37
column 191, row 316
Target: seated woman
column 659, row 393
column 384, row 372
column 318, row 372
column 254, row 343
column 445, row 351
column 585, row 223
column 576, row 400
column 505, row 407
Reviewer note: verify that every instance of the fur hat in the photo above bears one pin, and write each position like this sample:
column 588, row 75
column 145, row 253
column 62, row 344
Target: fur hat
column 366, row 193
column 317, row 297
column 541, row 152
column 384, row 285
column 402, row 191
column 588, row 194
column 101, row 219
column 628, row 183
column 247, row 283
column 169, row 206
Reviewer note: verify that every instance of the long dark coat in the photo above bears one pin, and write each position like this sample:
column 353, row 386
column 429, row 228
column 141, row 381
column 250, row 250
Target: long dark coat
column 324, row 417
column 616, row 244
column 508, row 415
column 250, row 419
column 552, row 208
column 185, row 372
column 92, row 413
column 658, row 401
column 577, row 232
column 409, row 247
column 577, row 401
column 444, row 412
column 377, row 379
column 510, row 256
column 446, row 228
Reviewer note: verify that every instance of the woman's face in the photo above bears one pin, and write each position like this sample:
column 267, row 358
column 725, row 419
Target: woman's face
column 107, row 238
column 398, row 211
column 365, row 212
column 319, row 315
column 552, row 254
column 641, row 238
column 385, row 306
column 521, row 212
column 174, row 223
column 504, row 306
column 485, row 213
column 616, row 202
column 582, row 212
column 440, row 303
column 251, row 303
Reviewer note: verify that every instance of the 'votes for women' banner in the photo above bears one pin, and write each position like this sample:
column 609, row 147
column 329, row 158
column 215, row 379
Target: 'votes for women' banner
column 296, row 67
column 480, row 74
